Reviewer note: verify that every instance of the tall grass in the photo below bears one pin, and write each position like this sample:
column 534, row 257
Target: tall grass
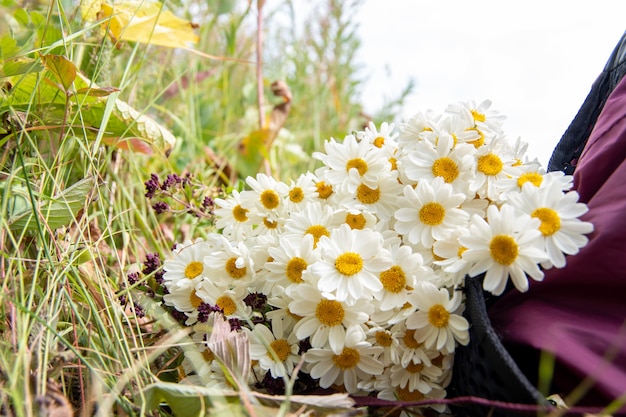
column 74, row 221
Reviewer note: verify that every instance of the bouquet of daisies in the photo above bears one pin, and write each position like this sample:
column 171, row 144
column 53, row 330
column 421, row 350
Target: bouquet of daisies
column 350, row 277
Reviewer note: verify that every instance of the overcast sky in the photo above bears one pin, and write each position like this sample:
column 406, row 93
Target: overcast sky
column 536, row 60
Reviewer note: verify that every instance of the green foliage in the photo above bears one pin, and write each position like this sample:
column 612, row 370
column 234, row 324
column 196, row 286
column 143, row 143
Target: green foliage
column 85, row 119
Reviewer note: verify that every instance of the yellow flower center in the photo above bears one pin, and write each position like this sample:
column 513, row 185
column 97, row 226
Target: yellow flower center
column 438, row 361
column 432, row 214
column 409, row 339
column 478, row 117
column 349, row 263
column 194, row 299
column 323, row 190
column 270, row 224
column 394, row 163
column 461, row 251
column 445, row 168
column 233, row 270
column 477, row 142
column 404, row 394
column 490, row 164
column 438, row 316
column 193, row 269
column 296, row 194
column 357, row 163
column 550, row 220
column 317, row 231
column 534, row 178
column 503, row 249
column 329, row 312
column 383, row 338
column 415, row 368
column 295, row 266
column 379, row 142
column 270, row 199
column 393, row 279
column 356, row 221
column 227, row 305
column 349, row 358
column 240, row 214
column 281, row 348
column 367, row 195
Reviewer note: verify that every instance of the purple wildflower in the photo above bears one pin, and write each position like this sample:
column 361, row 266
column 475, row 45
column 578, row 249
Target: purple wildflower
column 152, row 185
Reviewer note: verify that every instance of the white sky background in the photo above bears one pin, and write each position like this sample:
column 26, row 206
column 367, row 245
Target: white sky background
column 535, row 60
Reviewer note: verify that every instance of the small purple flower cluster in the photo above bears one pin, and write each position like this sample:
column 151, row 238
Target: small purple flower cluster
column 175, row 189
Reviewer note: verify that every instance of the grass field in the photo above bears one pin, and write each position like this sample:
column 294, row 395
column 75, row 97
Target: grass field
column 89, row 112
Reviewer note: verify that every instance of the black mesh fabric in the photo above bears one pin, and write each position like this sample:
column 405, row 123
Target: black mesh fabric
column 485, row 368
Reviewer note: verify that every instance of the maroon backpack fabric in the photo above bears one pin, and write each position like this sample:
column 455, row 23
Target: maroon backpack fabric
column 579, row 312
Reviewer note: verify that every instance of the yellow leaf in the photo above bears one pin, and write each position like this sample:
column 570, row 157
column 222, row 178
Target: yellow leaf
column 89, row 9
column 147, row 22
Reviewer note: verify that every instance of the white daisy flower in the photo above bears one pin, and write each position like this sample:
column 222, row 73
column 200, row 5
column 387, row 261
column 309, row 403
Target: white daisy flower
column 186, row 266
column 494, row 162
column 184, row 299
column 397, row 393
column 300, row 192
column 325, row 319
column 563, row 233
column 421, row 126
column 399, row 279
column 230, row 264
column 450, row 253
column 416, row 376
column 275, row 349
column 483, row 117
column 315, row 219
column 356, row 361
column 509, row 245
column 350, row 262
column 385, row 137
column 462, row 130
column 411, row 350
column 383, row 337
column 324, row 190
column 358, row 219
column 232, row 218
column 435, row 322
column 266, row 194
column 429, row 211
column 290, row 260
column 269, row 224
column 229, row 300
column 352, row 163
column 445, row 160
column 381, row 199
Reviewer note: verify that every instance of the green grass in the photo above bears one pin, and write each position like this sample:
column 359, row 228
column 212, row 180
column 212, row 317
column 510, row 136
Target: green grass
column 74, row 220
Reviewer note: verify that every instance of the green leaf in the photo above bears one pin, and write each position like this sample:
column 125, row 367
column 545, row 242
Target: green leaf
column 56, row 211
column 20, row 66
column 186, row 400
column 97, row 91
column 8, row 47
column 21, row 17
column 62, row 68
column 125, row 127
